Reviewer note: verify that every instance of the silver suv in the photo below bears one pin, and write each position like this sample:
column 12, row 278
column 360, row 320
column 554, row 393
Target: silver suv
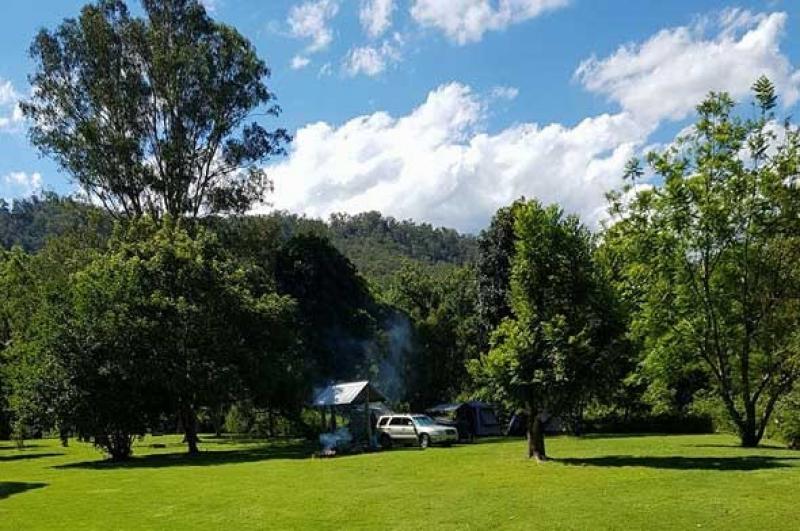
column 414, row 429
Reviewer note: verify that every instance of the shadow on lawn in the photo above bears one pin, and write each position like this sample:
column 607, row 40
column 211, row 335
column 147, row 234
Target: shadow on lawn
column 205, row 458
column 738, row 447
column 9, row 488
column 21, row 457
column 747, row 463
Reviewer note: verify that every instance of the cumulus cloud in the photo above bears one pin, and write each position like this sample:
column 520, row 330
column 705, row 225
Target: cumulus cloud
column 10, row 113
column 299, row 62
column 311, row 20
column 20, row 183
column 667, row 75
column 465, row 21
column 436, row 164
column 373, row 60
column 439, row 164
column 376, row 16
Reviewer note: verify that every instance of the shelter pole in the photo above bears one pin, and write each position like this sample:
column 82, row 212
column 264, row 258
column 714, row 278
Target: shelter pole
column 367, row 419
column 333, row 418
column 324, row 420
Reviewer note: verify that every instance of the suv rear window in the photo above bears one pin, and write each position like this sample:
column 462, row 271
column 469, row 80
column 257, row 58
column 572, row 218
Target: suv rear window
column 383, row 421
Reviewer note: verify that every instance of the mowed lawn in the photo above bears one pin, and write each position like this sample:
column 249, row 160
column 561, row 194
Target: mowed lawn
column 630, row 482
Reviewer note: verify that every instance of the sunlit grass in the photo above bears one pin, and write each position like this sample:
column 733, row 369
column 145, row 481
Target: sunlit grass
column 645, row 482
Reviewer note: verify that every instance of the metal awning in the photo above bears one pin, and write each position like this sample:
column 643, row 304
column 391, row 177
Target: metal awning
column 446, row 408
column 347, row 393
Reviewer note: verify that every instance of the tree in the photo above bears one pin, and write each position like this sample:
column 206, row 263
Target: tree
column 554, row 344
column 711, row 257
column 149, row 115
column 160, row 323
column 440, row 302
column 495, row 254
column 336, row 310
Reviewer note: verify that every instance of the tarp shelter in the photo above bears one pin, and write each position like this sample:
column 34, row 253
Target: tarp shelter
column 475, row 418
column 348, row 395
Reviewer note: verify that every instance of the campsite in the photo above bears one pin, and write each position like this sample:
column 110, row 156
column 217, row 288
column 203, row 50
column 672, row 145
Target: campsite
column 399, row 264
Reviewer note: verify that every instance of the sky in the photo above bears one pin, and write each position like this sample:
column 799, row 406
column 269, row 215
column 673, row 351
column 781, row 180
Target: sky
column 445, row 110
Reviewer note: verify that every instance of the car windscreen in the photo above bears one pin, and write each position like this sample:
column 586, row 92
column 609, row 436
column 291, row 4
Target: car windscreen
column 423, row 421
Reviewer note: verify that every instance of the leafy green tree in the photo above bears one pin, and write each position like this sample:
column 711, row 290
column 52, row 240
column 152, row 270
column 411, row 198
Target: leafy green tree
column 496, row 249
column 150, row 114
column 161, row 322
column 441, row 305
column 554, row 344
column 711, row 253
column 336, row 311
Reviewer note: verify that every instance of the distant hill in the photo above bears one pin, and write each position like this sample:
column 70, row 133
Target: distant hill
column 376, row 244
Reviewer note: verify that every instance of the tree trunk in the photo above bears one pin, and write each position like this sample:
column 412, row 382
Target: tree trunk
column 536, row 447
column 749, row 432
column 189, row 422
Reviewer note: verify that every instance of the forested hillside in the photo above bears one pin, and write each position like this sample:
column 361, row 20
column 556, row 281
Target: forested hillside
column 376, row 244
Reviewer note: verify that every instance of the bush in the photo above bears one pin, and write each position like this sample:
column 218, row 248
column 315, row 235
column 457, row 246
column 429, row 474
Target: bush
column 787, row 419
column 663, row 423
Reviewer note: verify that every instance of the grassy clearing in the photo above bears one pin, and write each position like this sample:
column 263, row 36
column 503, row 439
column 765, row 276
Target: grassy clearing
column 666, row 482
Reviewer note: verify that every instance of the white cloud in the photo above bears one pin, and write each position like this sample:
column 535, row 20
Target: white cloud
column 20, row 183
column 376, row 16
column 10, row 113
column 435, row 164
column 372, row 60
column 667, row 75
column 464, row 21
column 310, row 20
column 504, row 93
column 210, row 5
column 438, row 164
column 299, row 62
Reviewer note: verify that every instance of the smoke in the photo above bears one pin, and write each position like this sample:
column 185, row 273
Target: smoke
column 390, row 378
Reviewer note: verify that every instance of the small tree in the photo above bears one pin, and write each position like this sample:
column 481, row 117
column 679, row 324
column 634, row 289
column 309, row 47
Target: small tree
column 711, row 256
column 547, row 353
column 150, row 115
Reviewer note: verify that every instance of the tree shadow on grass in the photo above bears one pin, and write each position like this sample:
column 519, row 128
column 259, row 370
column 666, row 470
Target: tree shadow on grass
column 769, row 447
column 740, row 464
column 21, row 457
column 15, row 447
column 9, row 488
column 205, row 458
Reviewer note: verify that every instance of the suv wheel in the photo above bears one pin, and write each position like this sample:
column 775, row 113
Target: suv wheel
column 424, row 441
column 386, row 442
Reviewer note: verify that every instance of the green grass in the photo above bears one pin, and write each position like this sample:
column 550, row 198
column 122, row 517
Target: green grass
column 637, row 482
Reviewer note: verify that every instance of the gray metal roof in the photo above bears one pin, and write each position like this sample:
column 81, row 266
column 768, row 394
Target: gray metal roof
column 347, row 393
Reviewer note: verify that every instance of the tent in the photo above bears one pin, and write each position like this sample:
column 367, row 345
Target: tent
column 473, row 419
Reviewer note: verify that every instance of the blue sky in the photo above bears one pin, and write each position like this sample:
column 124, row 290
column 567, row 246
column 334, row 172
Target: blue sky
column 444, row 110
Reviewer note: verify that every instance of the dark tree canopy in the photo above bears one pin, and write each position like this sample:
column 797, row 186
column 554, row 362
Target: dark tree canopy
column 150, row 115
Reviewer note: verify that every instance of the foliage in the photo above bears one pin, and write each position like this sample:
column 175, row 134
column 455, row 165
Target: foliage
column 440, row 303
column 376, row 244
column 336, row 312
column 787, row 419
column 555, row 344
column 29, row 222
column 496, row 250
column 149, row 115
column 710, row 258
column 161, row 322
